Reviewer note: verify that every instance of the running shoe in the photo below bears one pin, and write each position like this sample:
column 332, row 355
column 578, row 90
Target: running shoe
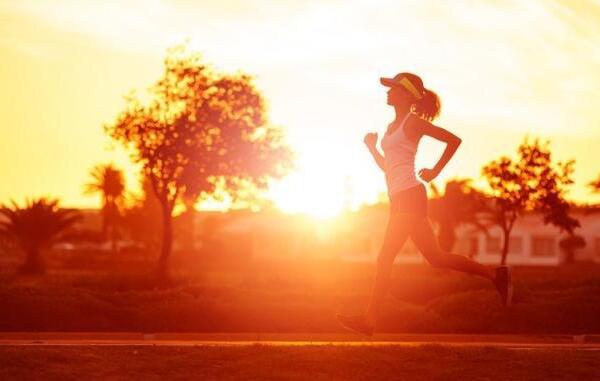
column 503, row 283
column 356, row 323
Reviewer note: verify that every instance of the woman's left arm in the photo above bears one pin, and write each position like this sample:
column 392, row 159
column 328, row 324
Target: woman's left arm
column 452, row 142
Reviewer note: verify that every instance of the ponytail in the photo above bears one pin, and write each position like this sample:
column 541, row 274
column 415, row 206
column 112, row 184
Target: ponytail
column 428, row 107
column 426, row 103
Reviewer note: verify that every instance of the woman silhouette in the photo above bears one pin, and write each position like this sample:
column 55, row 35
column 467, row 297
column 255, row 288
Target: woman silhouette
column 415, row 108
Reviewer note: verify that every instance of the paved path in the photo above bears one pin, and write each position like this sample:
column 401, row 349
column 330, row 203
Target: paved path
column 522, row 342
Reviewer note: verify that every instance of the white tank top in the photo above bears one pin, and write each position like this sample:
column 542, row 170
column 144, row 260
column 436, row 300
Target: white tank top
column 399, row 154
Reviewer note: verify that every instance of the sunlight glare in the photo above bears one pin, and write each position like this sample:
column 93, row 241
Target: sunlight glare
column 315, row 192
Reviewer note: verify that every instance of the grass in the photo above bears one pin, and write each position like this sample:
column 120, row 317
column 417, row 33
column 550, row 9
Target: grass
column 262, row 362
column 106, row 293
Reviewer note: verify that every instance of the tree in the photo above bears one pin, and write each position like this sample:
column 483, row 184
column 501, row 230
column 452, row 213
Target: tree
column 458, row 205
column 200, row 129
column 531, row 183
column 109, row 182
column 189, row 196
column 141, row 220
column 34, row 227
column 595, row 188
column 595, row 185
column 570, row 244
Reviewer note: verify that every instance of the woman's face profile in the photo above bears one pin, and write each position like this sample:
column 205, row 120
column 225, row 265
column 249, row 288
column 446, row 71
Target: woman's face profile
column 397, row 95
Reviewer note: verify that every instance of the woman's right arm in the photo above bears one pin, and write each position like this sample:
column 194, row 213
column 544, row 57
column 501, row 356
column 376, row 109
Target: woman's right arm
column 371, row 143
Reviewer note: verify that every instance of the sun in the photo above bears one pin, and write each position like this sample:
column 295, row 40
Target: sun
column 314, row 192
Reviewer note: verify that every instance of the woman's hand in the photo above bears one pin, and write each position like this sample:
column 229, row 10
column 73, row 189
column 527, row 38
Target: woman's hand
column 428, row 174
column 370, row 140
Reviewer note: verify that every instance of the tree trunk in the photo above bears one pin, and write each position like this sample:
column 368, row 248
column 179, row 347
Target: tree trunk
column 189, row 226
column 167, row 240
column 104, row 227
column 33, row 263
column 113, row 239
column 505, row 247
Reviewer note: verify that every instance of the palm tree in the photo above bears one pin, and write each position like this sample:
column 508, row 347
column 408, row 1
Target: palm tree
column 595, row 185
column 460, row 204
column 595, row 188
column 142, row 219
column 109, row 182
column 34, row 227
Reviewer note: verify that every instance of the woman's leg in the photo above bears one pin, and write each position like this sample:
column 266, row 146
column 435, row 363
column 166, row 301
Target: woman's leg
column 422, row 235
column 396, row 234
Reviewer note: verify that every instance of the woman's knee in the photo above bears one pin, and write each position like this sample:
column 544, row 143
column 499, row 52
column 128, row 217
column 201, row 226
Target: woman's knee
column 438, row 259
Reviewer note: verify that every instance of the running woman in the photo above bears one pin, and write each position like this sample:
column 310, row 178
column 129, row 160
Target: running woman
column 416, row 107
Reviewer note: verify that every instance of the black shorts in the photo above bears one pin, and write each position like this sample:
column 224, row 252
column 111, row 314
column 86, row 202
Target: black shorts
column 412, row 200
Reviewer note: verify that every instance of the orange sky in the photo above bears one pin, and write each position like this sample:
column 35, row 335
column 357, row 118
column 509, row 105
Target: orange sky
column 503, row 69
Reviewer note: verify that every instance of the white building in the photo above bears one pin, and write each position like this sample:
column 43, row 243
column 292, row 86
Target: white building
column 532, row 242
column 358, row 237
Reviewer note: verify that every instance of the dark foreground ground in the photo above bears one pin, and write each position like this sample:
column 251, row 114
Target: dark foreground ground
column 306, row 362
column 82, row 293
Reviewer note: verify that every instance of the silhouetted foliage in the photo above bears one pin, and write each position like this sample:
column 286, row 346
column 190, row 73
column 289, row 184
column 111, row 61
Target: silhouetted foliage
column 200, row 129
column 458, row 205
column 109, row 182
column 570, row 244
column 83, row 235
column 595, row 185
column 532, row 182
column 36, row 226
column 142, row 220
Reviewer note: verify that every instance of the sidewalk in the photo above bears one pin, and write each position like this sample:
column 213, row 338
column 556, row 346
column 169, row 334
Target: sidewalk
column 296, row 339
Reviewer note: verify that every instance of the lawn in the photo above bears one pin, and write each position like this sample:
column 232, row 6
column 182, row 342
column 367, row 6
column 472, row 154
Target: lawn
column 87, row 292
column 263, row 362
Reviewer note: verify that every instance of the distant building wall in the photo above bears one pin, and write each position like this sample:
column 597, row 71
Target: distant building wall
column 358, row 237
column 532, row 242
